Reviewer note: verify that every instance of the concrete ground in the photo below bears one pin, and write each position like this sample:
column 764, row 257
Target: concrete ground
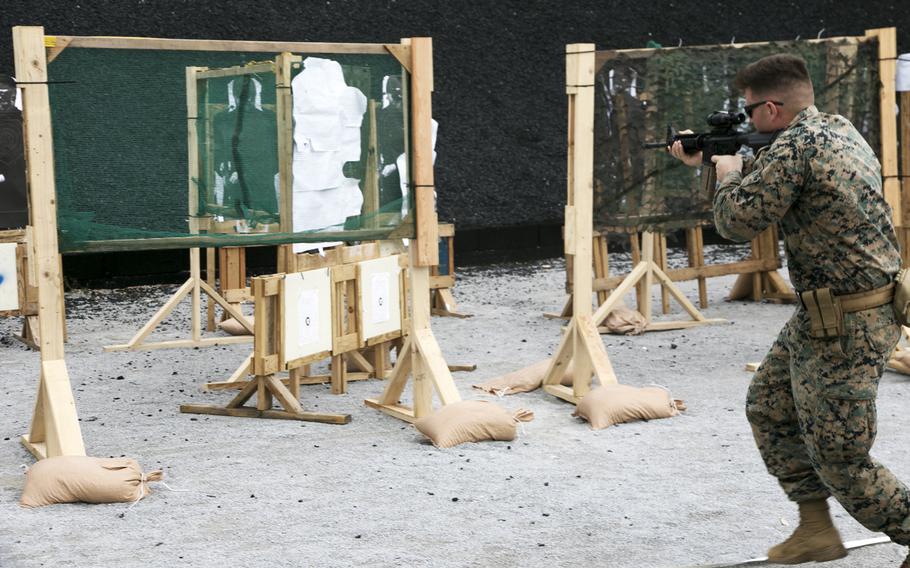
column 685, row 491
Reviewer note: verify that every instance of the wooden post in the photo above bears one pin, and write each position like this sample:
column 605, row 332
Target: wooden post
column 903, row 231
column 284, row 109
column 55, row 427
column 581, row 343
column 887, row 67
column 421, row 355
column 422, row 182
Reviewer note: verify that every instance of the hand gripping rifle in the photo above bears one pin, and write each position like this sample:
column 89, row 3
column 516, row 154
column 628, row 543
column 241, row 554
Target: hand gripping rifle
column 722, row 139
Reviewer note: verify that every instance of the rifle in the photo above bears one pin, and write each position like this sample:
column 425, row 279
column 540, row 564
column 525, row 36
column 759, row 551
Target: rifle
column 721, row 140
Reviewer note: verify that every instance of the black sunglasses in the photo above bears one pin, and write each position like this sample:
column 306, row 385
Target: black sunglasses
column 749, row 108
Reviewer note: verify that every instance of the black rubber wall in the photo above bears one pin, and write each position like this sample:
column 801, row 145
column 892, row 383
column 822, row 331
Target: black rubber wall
column 499, row 66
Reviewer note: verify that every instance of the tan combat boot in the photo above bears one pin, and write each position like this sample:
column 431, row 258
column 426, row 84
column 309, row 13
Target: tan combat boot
column 814, row 540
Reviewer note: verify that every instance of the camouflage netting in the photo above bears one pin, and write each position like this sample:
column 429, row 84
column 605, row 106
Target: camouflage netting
column 123, row 172
column 638, row 93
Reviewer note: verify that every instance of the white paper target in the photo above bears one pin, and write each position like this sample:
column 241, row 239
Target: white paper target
column 9, row 287
column 307, row 314
column 380, row 296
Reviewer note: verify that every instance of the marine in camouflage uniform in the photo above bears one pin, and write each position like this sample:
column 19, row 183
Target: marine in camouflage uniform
column 811, row 403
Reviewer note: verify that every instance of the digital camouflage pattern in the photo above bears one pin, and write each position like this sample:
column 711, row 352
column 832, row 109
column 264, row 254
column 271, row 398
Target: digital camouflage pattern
column 822, row 182
column 811, row 403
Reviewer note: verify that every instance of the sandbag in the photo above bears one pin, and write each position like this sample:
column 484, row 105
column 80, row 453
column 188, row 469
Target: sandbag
column 471, row 421
column 900, row 361
column 623, row 320
column 523, row 380
column 614, row 404
column 74, row 479
column 234, row 327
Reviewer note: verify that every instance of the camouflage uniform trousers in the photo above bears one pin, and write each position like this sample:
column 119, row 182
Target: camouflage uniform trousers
column 811, row 405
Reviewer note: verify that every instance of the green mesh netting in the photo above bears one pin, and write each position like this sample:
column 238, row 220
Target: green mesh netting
column 124, row 175
column 638, row 93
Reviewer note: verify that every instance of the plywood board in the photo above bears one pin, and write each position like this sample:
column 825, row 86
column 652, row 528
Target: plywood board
column 306, row 306
column 9, row 287
column 380, row 298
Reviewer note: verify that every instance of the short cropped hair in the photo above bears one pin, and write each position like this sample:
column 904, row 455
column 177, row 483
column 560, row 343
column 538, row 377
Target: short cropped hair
column 773, row 73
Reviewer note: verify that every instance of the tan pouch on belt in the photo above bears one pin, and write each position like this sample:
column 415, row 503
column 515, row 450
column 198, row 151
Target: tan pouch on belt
column 902, row 297
column 825, row 316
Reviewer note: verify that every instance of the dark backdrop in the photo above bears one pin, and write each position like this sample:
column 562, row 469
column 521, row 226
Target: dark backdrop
column 499, row 71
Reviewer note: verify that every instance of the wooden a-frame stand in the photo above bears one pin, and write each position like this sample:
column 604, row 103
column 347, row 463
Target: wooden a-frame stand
column 581, row 343
column 194, row 287
column 420, row 356
column 648, row 273
column 54, row 427
column 265, row 364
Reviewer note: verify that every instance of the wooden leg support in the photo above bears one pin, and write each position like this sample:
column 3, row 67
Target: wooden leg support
column 267, row 389
column 582, row 345
column 55, row 427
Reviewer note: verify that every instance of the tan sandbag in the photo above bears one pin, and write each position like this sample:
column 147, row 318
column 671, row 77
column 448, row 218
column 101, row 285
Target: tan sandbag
column 900, row 361
column 623, row 320
column 523, row 380
column 471, row 421
column 74, row 479
column 614, row 404
column 234, row 327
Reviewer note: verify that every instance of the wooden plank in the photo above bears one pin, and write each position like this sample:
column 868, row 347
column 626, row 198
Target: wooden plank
column 371, row 173
column 219, row 240
column 229, row 308
column 282, row 394
column 580, row 63
column 383, row 338
column 196, row 295
column 565, row 351
column 617, row 295
column 31, row 72
column 422, row 182
column 63, row 436
column 399, row 377
column 244, row 412
column 905, row 165
column 395, row 410
column 302, row 379
column 157, row 318
column 210, row 277
column 647, row 256
column 685, row 324
column 401, row 52
column 236, row 71
column 181, row 343
column 562, row 392
column 115, row 42
column 339, row 375
column 606, row 55
column 438, row 282
column 307, row 360
column 284, row 116
column 887, row 65
column 360, row 361
column 249, row 388
column 695, row 272
column 676, row 293
column 597, row 354
column 437, row 371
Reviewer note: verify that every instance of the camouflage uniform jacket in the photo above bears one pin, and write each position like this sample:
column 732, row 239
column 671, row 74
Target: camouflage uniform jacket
column 822, row 182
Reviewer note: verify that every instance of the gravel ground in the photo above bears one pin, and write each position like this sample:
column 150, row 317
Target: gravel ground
column 685, row 491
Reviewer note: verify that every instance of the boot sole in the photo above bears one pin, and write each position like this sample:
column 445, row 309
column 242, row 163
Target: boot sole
column 823, row 555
